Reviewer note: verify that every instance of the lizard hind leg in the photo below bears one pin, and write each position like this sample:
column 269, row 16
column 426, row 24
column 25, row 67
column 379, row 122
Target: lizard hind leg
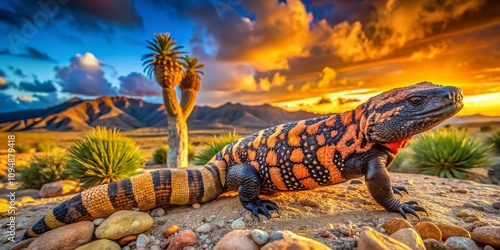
column 247, row 181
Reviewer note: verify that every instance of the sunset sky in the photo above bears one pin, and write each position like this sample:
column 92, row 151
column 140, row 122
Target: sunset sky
column 323, row 56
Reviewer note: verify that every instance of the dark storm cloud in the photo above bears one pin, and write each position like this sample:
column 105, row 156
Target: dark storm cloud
column 136, row 84
column 38, row 86
column 30, row 53
column 17, row 71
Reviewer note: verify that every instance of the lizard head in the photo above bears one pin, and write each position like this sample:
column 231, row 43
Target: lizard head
column 398, row 114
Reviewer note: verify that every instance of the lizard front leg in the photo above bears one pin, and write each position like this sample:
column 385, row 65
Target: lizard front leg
column 379, row 185
column 247, row 181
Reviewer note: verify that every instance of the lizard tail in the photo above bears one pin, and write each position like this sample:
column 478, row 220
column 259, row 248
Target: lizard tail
column 145, row 191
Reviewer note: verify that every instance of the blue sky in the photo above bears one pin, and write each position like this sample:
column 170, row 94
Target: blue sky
column 262, row 51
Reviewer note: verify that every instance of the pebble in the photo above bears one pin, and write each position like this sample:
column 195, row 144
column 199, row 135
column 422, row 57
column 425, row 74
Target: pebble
column 489, row 235
column 462, row 191
column 369, row 238
column 123, row 223
column 460, row 243
column 260, row 237
column 221, row 224
column 452, row 230
column 142, row 240
column 155, row 247
column 472, row 218
column 238, row 224
column 396, row 224
column 171, row 230
column 325, row 234
column 356, row 182
column 309, row 203
column 196, row 205
column 205, row 228
column 103, row 244
column 157, row 212
column 428, row 230
column 27, row 199
column 126, row 240
column 293, row 241
column 410, row 237
column 67, row 237
column 20, row 227
column 237, row 239
column 487, row 247
column 98, row 221
column 432, row 244
column 463, row 213
column 496, row 205
column 179, row 241
column 345, row 230
column 203, row 237
column 248, row 217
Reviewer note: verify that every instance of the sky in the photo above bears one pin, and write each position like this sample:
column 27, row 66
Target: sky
column 323, row 56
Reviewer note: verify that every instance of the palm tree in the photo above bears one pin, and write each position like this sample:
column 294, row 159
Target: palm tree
column 165, row 63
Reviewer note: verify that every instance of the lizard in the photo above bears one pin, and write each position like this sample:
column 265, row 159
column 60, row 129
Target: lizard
column 295, row 156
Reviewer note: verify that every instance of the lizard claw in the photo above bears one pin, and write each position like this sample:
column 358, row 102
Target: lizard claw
column 410, row 207
column 397, row 190
column 262, row 207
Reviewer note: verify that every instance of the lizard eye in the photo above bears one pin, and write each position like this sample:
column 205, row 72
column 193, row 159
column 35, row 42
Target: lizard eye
column 416, row 100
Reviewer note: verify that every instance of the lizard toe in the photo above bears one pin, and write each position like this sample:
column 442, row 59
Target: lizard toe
column 262, row 207
column 399, row 189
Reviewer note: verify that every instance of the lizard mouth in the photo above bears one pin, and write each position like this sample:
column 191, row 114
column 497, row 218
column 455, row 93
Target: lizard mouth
column 443, row 111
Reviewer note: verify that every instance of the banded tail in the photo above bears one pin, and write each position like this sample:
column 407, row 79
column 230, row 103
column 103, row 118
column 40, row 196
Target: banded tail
column 145, row 191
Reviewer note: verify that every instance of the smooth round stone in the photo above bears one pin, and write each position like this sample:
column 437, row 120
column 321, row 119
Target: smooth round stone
column 221, row 224
column 410, row 237
column 98, row 221
column 103, row 244
column 489, row 235
column 238, row 224
column 123, row 223
column 205, row 228
column 171, row 230
column 142, row 240
column 460, row 243
column 428, row 230
column 67, row 237
column 395, row 224
column 432, row 244
column 237, row 239
column 369, row 238
column 293, row 241
column 158, row 212
column 260, row 237
column 180, row 241
column 452, row 230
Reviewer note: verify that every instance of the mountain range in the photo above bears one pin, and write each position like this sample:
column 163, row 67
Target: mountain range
column 128, row 114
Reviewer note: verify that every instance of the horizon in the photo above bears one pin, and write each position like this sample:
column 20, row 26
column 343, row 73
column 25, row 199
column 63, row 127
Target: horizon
column 313, row 55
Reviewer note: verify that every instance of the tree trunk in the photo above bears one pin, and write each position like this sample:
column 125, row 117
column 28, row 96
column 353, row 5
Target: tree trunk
column 177, row 156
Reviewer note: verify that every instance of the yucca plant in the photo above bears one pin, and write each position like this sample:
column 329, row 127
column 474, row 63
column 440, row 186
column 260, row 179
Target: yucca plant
column 494, row 141
column 44, row 169
column 104, row 156
column 45, row 146
column 449, row 153
column 160, row 154
column 22, row 148
column 216, row 145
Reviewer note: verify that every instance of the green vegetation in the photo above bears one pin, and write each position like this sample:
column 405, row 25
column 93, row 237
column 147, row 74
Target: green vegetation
column 160, row 154
column 487, row 127
column 44, row 169
column 22, row 148
column 214, row 147
column 494, row 140
column 400, row 163
column 448, row 153
column 45, row 146
column 104, row 156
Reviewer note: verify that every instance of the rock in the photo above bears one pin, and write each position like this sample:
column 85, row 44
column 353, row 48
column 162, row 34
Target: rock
column 489, row 235
column 293, row 241
column 488, row 247
column 4, row 201
column 205, row 228
column 260, row 237
column 142, row 241
column 345, row 230
column 410, row 237
column 126, row 240
column 369, row 238
column 460, row 243
column 196, row 205
column 395, row 224
column 496, row 205
column 356, row 182
column 58, row 188
column 428, row 230
column 4, row 208
column 203, row 237
column 463, row 213
column 33, row 193
column 308, row 203
column 462, row 191
column 432, row 244
column 237, row 239
column 22, row 244
column 182, row 239
column 123, row 223
column 67, row 237
column 238, row 224
column 27, row 199
column 158, row 212
column 171, row 230
column 325, row 234
column 452, row 230
column 155, row 247
column 98, row 221
column 103, row 244
column 221, row 224
column 472, row 218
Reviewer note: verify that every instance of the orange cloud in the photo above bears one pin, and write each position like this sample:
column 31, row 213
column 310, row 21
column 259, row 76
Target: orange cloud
column 429, row 53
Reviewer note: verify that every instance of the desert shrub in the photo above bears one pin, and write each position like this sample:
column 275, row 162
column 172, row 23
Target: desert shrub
column 104, row 156
column 45, row 146
column 216, row 145
column 487, row 127
column 494, row 140
column 22, row 148
column 43, row 169
column 400, row 163
column 160, row 154
column 448, row 153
